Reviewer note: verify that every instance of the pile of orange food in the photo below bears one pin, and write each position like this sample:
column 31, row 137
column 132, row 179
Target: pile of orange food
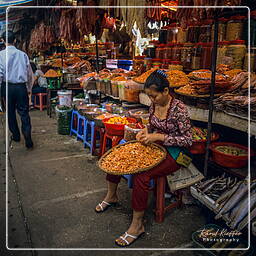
column 177, row 78
column 103, row 116
column 119, row 78
column 86, row 77
column 142, row 78
column 118, row 120
column 187, row 89
column 232, row 73
column 51, row 73
column 131, row 157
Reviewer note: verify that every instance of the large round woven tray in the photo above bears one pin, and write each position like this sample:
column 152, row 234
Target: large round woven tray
column 197, row 95
column 129, row 172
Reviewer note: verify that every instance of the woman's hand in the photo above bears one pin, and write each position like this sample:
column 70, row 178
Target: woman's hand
column 149, row 137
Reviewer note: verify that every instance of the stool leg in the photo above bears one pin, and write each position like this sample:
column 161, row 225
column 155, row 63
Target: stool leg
column 102, row 132
column 160, row 202
column 41, row 102
column 92, row 137
column 94, row 141
column 104, row 144
column 115, row 141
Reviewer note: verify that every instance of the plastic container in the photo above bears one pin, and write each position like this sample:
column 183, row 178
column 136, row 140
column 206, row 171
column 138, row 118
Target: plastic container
column 186, row 55
column 182, row 35
column 65, row 98
column 156, row 63
column 130, row 133
column 63, row 120
column 227, row 160
column 176, row 52
column 221, row 53
column 193, row 32
column 151, row 49
column 236, row 50
column 196, row 56
column 205, row 31
column 121, row 88
column 160, row 51
column 235, row 28
column 163, row 35
column 148, row 63
column 116, row 129
column 252, row 60
column 199, row 146
column 172, row 33
column 221, row 30
column 114, row 88
column 206, row 55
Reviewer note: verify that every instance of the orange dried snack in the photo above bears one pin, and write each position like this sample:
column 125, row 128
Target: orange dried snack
column 232, row 73
column 119, row 78
column 51, row 73
column 142, row 78
column 187, row 89
column 131, row 157
column 177, row 78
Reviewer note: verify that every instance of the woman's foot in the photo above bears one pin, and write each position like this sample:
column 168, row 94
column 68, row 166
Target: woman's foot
column 105, row 204
column 130, row 236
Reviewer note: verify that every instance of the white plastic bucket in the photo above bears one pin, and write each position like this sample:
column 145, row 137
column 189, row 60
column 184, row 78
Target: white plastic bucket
column 65, row 98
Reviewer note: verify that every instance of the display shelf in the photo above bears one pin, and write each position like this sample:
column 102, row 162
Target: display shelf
column 221, row 118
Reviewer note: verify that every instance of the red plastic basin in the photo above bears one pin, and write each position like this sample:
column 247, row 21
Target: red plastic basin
column 116, row 129
column 199, row 146
column 227, row 160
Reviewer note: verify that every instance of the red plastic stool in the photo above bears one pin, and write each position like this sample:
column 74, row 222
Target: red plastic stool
column 42, row 101
column 161, row 208
column 101, row 132
column 114, row 139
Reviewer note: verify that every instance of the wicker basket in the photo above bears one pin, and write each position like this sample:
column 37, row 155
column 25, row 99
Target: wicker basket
column 129, row 172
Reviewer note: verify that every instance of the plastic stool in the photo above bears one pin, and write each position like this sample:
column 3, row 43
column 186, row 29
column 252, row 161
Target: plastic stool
column 89, row 134
column 74, row 123
column 114, row 141
column 81, row 123
column 101, row 132
column 161, row 208
column 42, row 98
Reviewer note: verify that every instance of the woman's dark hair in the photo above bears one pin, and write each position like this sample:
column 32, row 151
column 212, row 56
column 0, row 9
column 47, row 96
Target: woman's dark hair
column 33, row 66
column 11, row 37
column 159, row 79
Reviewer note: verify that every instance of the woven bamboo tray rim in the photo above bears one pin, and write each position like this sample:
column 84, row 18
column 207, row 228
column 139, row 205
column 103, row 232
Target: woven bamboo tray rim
column 129, row 172
column 198, row 95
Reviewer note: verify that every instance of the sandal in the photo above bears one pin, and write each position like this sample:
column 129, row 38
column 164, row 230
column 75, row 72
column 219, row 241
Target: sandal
column 125, row 240
column 103, row 209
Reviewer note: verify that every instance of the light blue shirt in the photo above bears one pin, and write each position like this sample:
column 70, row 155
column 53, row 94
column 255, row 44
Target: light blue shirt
column 19, row 68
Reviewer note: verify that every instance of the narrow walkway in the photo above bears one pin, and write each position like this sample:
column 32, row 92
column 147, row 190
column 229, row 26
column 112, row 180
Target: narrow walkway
column 53, row 190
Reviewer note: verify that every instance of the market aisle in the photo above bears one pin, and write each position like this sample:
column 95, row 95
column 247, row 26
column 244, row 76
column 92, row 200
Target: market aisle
column 60, row 184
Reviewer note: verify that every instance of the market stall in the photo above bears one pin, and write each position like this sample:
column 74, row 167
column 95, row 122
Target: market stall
column 96, row 87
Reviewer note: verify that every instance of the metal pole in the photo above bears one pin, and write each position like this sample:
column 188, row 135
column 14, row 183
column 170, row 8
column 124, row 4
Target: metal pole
column 97, row 54
column 213, row 68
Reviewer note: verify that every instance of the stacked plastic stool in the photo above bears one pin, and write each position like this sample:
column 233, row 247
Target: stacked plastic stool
column 98, row 131
column 89, row 134
column 74, row 123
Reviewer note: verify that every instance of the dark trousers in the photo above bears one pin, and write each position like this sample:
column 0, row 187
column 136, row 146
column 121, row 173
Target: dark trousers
column 141, row 181
column 18, row 99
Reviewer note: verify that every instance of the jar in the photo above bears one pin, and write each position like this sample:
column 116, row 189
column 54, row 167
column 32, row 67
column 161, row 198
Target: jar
column 156, row 63
column 163, row 35
column 175, row 65
column 206, row 57
column 165, row 64
column 176, row 52
column 186, row 55
column 169, row 51
column 148, row 63
column 182, row 35
column 193, row 32
column 236, row 50
column 235, row 28
column 221, row 29
column 221, row 53
column 151, row 49
column 205, row 31
column 160, row 51
column 172, row 33
column 252, row 29
column 138, row 62
column 252, row 60
column 196, row 56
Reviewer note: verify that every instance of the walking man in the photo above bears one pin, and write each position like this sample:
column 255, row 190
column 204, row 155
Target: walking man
column 19, row 82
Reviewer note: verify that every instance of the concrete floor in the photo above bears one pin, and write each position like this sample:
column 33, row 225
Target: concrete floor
column 52, row 193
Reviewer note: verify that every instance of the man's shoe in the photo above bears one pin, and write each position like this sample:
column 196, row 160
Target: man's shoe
column 16, row 139
column 29, row 144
